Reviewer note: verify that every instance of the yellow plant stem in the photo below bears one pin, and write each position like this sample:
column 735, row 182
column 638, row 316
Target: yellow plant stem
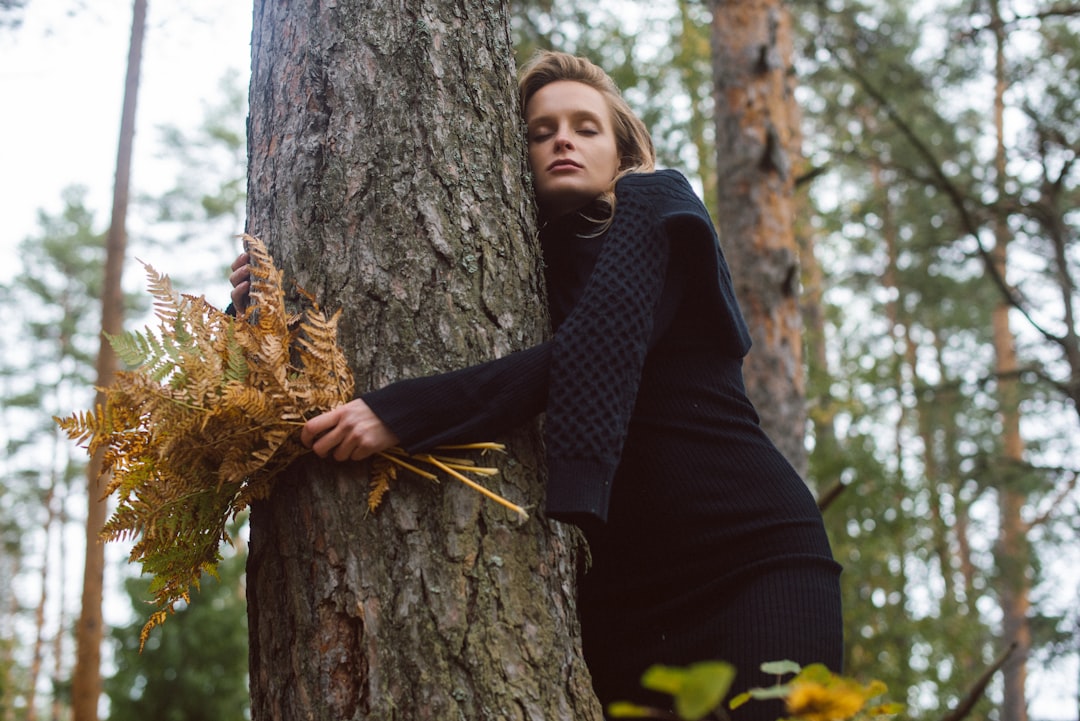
column 522, row 515
column 486, row 446
column 468, row 467
column 395, row 458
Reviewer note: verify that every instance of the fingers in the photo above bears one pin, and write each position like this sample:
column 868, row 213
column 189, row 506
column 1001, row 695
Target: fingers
column 349, row 432
column 241, row 282
column 240, row 295
column 319, row 425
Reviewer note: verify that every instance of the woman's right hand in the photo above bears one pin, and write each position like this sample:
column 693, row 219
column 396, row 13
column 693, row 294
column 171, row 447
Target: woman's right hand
column 348, row 432
column 241, row 282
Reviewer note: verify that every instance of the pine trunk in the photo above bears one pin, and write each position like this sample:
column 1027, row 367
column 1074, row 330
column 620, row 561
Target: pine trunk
column 757, row 139
column 38, row 656
column 387, row 177
column 89, row 630
column 1014, row 555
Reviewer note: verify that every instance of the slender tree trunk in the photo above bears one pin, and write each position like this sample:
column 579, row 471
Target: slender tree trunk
column 1014, row 556
column 58, row 701
column 38, row 656
column 7, row 649
column 89, row 631
column 692, row 59
column 387, row 176
column 1013, row 551
column 813, row 310
column 757, row 139
column 821, row 408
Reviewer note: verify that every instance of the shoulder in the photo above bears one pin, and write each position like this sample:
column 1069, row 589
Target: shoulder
column 664, row 180
column 667, row 191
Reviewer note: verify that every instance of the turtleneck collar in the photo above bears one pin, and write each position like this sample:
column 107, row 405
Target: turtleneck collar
column 578, row 224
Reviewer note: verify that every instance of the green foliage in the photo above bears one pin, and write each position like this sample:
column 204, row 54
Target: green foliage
column 49, row 340
column 193, row 668
column 9, row 683
column 59, row 283
column 695, row 690
column 899, row 111
column 812, row 693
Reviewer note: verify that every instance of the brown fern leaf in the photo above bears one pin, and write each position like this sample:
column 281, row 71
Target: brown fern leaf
column 166, row 300
column 321, row 355
column 382, row 473
column 267, row 290
column 156, row 619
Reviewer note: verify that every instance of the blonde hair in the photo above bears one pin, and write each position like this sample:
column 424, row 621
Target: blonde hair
column 632, row 139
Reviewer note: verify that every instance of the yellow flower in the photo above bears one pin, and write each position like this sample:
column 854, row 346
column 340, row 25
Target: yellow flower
column 813, row 701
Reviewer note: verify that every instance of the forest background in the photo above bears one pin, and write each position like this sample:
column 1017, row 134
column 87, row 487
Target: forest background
column 903, row 393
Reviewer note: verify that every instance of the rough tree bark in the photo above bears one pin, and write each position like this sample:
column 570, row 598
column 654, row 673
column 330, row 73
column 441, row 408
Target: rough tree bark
column 89, row 630
column 757, row 140
column 387, row 177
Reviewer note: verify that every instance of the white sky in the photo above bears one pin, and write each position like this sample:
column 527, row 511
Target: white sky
column 61, row 87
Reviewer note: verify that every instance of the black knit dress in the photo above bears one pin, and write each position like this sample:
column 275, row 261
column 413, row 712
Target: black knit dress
column 705, row 542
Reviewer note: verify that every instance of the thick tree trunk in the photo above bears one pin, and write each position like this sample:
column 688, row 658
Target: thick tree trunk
column 89, row 630
column 757, row 138
column 387, row 176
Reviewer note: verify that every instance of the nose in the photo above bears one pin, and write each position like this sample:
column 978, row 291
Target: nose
column 563, row 140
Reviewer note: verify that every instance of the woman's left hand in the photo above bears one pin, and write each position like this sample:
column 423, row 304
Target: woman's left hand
column 349, row 432
column 241, row 282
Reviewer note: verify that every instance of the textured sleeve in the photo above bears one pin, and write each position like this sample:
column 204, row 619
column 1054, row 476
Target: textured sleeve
column 689, row 226
column 470, row 405
column 597, row 360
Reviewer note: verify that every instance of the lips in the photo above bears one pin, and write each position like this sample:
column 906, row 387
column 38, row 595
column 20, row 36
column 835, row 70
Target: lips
column 562, row 164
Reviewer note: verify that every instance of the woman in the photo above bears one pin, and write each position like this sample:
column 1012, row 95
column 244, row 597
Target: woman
column 705, row 542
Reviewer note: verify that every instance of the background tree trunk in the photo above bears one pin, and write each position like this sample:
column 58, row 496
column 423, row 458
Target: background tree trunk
column 757, row 139
column 1013, row 552
column 387, row 176
column 86, row 678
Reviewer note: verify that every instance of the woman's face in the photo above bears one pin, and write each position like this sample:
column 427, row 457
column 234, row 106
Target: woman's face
column 573, row 152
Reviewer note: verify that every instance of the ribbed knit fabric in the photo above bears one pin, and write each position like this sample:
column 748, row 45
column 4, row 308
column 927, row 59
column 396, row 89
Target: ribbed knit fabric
column 705, row 542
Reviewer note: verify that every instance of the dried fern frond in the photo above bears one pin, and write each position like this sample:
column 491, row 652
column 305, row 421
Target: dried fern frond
column 210, row 414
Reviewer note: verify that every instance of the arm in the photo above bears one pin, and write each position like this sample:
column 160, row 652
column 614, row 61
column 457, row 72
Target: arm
column 599, row 356
column 468, row 405
column 472, row 404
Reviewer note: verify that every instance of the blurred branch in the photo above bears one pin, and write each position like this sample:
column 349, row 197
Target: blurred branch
column 1052, row 505
column 975, row 693
column 956, row 196
column 831, row 495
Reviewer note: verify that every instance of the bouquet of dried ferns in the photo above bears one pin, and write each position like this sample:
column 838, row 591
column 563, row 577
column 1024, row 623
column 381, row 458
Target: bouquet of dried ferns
column 209, row 414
